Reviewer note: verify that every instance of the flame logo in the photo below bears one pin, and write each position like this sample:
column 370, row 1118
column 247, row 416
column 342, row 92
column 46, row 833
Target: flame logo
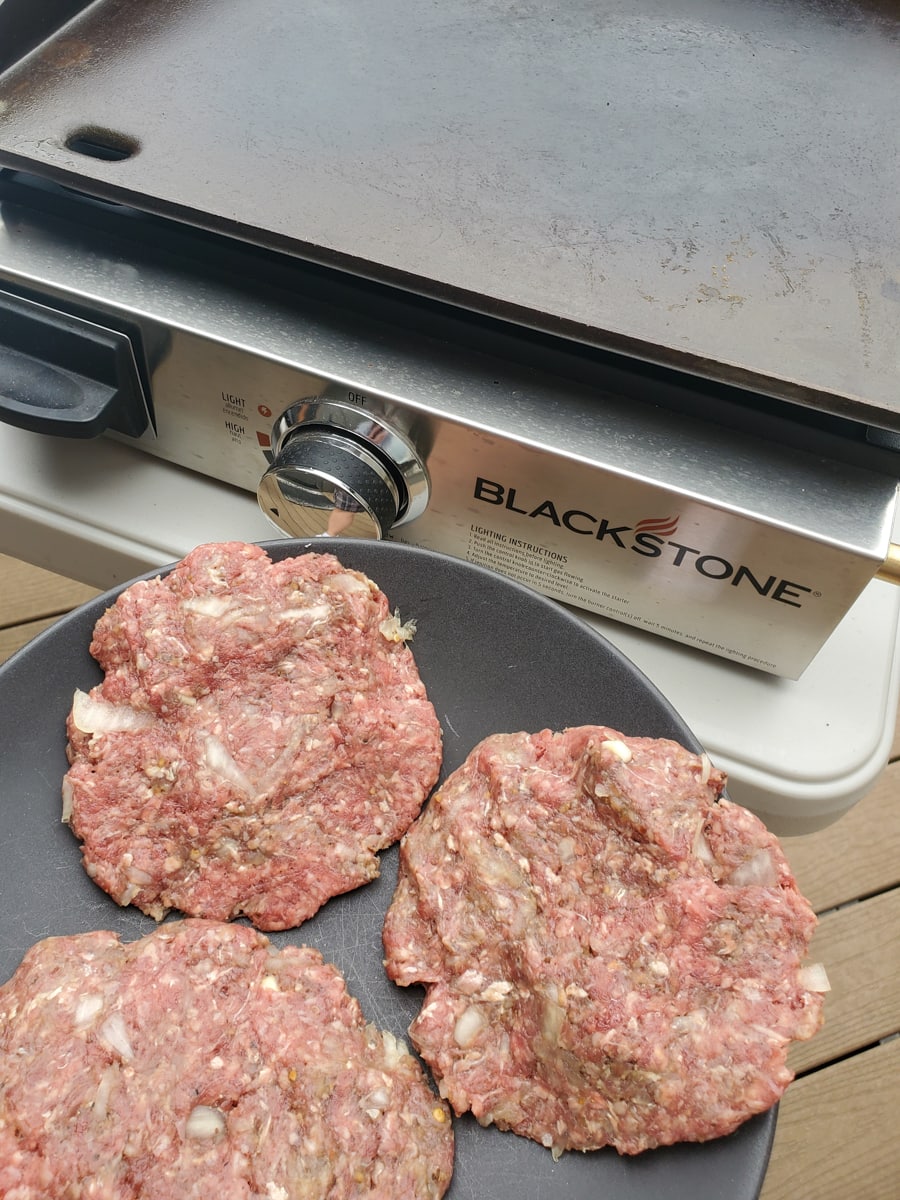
column 661, row 526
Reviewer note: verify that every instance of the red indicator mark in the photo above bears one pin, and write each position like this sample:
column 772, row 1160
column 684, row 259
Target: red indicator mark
column 264, row 440
column 264, row 410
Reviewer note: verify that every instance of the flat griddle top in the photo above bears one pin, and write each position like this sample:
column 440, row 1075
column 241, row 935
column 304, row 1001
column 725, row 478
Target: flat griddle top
column 701, row 183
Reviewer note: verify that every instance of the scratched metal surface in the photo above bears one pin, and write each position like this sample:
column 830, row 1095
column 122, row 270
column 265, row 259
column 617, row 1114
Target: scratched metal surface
column 701, row 183
column 500, row 659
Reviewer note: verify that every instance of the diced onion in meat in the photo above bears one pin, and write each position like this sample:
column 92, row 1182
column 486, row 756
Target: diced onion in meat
column 139, row 877
column 114, row 1034
column 759, row 870
column 104, row 1087
column 496, row 992
column 701, row 847
column 348, row 583
column 619, row 749
column 314, row 615
column 91, row 715
column 394, row 630
column 552, row 1021
column 468, row 1025
column 207, row 606
column 705, row 768
column 497, row 869
column 376, row 1102
column 394, row 1049
column 87, row 1008
column 814, row 978
column 566, row 849
column 218, row 759
column 205, row 1122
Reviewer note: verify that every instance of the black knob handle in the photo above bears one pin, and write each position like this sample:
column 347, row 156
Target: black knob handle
column 327, row 482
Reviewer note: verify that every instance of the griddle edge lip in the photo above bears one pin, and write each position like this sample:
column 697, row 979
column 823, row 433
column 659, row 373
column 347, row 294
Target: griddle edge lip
column 850, row 408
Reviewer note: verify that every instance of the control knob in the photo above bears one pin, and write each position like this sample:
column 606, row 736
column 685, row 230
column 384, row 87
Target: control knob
column 340, row 471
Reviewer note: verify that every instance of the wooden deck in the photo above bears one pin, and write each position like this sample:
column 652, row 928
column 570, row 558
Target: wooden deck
column 838, row 1133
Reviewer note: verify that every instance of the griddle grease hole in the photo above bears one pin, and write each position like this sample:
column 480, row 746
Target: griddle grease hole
column 104, row 144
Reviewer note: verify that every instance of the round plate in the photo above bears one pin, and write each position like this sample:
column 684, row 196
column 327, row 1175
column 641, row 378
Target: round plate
column 495, row 657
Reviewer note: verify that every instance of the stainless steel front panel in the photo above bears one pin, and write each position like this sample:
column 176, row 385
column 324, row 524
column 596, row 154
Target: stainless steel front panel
column 734, row 545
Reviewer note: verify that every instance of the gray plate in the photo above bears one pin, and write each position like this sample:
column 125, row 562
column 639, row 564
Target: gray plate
column 495, row 657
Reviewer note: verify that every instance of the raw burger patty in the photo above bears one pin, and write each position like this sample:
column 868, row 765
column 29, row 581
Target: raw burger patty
column 203, row 1062
column 611, row 956
column 261, row 731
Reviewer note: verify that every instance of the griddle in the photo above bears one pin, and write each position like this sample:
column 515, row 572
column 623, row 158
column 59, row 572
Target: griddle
column 495, row 657
column 703, row 184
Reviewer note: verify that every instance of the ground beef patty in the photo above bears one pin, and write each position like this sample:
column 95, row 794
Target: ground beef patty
column 260, row 733
column 611, row 956
column 199, row 1062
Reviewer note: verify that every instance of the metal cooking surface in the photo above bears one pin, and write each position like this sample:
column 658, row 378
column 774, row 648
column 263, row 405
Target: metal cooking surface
column 505, row 659
column 700, row 183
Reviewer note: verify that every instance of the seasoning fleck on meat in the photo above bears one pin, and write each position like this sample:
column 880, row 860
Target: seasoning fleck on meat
column 257, row 738
column 203, row 1061
column 612, row 953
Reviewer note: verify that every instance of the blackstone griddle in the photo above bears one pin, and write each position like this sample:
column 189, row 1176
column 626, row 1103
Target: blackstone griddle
column 603, row 296
column 495, row 657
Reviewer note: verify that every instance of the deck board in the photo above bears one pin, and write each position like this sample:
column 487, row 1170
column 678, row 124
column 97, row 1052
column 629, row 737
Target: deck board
column 858, row 855
column 837, row 1130
column 861, row 950
column 16, row 636
column 836, row 1137
column 27, row 592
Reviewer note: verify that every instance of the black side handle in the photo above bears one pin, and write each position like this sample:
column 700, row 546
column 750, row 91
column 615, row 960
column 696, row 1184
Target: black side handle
column 63, row 375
